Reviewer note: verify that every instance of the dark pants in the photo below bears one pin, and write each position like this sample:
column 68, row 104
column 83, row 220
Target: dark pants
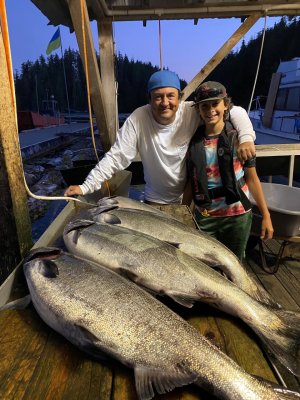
column 233, row 231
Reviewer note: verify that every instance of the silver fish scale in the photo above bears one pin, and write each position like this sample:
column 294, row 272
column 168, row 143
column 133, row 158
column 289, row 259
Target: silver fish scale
column 131, row 325
column 158, row 266
column 168, row 271
column 115, row 246
column 195, row 243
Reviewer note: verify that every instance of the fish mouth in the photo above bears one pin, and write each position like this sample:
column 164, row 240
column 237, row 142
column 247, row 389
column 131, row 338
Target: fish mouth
column 45, row 253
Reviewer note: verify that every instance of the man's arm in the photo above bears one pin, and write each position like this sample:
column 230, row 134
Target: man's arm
column 246, row 134
column 116, row 159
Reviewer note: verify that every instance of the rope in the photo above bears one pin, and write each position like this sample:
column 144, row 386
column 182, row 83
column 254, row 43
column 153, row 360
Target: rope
column 9, row 64
column 160, row 45
column 258, row 64
column 88, row 86
column 87, row 76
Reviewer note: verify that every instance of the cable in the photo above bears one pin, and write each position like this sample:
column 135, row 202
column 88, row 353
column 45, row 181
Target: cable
column 88, row 86
column 160, row 45
column 9, row 64
column 258, row 64
column 87, row 77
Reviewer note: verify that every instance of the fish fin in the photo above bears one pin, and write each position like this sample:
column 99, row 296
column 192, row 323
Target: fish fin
column 174, row 244
column 281, row 336
column 127, row 272
column 107, row 201
column 282, row 392
column 106, row 218
column 147, row 379
column 263, row 296
column 91, row 345
column 181, row 298
column 285, row 394
column 76, row 224
column 19, row 304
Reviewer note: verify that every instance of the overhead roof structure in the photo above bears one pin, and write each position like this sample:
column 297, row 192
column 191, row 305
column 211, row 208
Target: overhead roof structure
column 77, row 14
column 57, row 11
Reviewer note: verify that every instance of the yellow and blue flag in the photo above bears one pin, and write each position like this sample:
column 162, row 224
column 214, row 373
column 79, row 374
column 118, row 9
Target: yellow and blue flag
column 54, row 42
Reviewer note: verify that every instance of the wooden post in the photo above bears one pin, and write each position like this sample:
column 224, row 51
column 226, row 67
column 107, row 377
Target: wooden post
column 107, row 68
column 15, row 230
column 96, row 91
column 220, row 54
column 271, row 99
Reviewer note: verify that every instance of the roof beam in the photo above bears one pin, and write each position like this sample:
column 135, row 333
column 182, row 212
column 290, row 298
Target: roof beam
column 92, row 70
column 218, row 57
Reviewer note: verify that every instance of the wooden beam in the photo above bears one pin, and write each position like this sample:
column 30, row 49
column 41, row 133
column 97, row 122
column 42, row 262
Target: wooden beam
column 15, row 231
column 220, row 55
column 107, row 68
column 271, row 99
column 95, row 84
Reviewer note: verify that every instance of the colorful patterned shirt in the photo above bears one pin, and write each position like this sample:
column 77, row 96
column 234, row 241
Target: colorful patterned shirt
column 219, row 207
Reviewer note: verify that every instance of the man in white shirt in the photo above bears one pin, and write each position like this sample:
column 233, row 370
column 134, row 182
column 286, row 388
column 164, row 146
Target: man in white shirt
column 160, row 132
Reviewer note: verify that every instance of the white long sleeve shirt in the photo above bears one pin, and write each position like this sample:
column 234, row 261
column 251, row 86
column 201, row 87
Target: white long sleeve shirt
column 162, row 149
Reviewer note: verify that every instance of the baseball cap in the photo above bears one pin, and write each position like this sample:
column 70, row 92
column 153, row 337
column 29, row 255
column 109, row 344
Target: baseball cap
column 163, row 79
column 209, row 90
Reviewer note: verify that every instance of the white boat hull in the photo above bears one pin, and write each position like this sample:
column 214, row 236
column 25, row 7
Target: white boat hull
column 271, row 136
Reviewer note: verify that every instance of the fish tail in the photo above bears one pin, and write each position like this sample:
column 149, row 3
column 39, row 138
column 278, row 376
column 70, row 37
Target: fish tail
column 281, row 335
column 282, row 393
column 260, row 294
column 285, row 394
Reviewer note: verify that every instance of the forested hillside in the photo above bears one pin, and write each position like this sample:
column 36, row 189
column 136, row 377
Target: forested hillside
column 38, row 80
column 237, row 71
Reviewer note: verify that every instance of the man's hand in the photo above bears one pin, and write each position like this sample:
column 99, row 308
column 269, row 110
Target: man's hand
column 73, row 190
column 246, row 151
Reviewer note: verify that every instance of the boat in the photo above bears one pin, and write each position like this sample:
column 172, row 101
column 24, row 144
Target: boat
column 279, row 120
column 49, row 116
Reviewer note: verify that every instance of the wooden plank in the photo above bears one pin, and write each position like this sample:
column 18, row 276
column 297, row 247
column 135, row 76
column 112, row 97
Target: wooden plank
column 36, row 362
column 15, row 233
column 290, row 282
column 95, row 84
column 273, row 286
column 220, row 54
column 107, row 68
column 278, row 286
column 269, row 150
column 267, row 117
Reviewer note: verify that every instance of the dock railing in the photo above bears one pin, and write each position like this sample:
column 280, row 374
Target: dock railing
column 287, row 160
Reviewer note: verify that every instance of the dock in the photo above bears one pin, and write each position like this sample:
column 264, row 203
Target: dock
column 37, row 363
column 38, row 141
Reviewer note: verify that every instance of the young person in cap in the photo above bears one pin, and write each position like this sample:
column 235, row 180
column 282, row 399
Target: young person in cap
column 218, row 181
column 160, row 132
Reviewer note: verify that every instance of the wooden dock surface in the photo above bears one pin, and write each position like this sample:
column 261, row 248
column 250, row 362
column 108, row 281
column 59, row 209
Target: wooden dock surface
column 37, row 363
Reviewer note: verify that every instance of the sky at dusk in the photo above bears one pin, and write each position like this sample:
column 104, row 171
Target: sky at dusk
column 186, row 47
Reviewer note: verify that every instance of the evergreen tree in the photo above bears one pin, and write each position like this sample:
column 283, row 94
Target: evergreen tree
column 237, row 72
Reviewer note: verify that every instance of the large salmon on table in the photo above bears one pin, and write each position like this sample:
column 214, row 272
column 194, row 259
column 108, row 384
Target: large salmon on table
column 102, row 313
column 165, row 270
column 196, row 243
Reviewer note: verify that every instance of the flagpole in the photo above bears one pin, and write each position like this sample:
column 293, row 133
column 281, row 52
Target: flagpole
column 36, row 93
column 62, row 56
